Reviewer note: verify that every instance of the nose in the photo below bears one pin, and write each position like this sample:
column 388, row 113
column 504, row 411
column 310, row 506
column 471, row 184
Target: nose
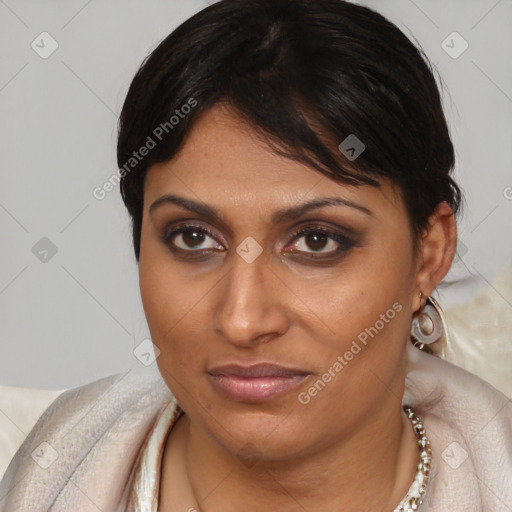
column 252, row 302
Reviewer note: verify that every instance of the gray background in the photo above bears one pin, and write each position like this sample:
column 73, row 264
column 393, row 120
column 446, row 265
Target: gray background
column 77, row 316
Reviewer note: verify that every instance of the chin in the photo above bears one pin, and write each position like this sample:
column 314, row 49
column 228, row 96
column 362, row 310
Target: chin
column 250, row 432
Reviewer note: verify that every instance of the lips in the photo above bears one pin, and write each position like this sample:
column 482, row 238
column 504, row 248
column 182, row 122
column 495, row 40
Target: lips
column 256, row 371
column 255, row 383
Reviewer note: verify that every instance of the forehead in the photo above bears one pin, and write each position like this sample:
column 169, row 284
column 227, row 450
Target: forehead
column 225, row 161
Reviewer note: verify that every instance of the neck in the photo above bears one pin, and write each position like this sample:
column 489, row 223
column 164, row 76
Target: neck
column 380, row 456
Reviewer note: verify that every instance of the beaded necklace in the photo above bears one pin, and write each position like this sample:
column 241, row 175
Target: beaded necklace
column 414, row 497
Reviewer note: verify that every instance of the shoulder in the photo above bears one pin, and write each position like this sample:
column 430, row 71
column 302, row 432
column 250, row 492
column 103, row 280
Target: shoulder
column 469, row 424
column 438, row 386
column 88, row 434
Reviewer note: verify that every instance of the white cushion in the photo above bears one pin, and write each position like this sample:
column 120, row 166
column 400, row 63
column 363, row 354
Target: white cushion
column 20, row 408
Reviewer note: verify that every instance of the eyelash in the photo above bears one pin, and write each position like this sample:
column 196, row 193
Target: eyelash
column 345, row 243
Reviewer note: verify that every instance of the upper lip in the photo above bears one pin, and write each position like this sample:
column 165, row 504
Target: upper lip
column 256, row 370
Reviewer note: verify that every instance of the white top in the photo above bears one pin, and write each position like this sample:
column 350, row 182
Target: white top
column 146, row 483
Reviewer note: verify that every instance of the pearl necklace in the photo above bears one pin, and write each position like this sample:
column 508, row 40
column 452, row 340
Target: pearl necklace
column 414, row 497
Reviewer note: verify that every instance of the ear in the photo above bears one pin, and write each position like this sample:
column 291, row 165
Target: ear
column 436, row 252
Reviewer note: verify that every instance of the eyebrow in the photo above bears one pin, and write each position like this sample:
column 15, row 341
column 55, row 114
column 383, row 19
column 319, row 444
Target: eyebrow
column 279, row 216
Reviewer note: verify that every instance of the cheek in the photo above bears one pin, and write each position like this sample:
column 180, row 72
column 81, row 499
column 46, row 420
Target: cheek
column 353, row 298
column 173, row 317
column 176, row 307
column 366, row 310
column 168, row 295
column 171, row 310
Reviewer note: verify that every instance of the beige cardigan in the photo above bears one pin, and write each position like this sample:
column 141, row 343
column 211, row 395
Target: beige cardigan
column 85, row 454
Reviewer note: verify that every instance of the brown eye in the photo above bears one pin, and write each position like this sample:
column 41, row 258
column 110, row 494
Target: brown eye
column 316, row 241
column 191, row 239
column 320, row 241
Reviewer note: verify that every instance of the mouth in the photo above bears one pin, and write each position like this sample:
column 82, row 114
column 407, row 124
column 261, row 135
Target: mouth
column 255, row 383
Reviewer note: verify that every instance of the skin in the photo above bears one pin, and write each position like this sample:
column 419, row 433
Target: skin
column 287, row 308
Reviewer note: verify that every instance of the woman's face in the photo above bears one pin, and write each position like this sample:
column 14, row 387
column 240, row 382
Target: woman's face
column 276, row 339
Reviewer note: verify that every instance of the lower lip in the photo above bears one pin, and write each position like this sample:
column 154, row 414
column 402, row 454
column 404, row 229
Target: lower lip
column 255, row 389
